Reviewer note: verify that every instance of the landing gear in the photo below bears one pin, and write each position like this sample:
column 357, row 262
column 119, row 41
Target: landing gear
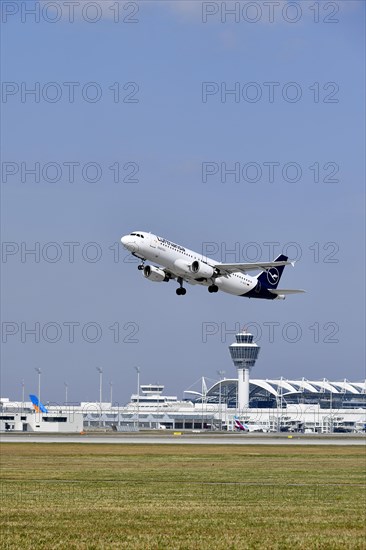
column 181, row 291
column 213, row 288
column 141, row 266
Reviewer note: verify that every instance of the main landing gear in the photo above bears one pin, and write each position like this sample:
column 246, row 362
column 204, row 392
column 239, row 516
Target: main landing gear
column 213, row 288
column 181, row 291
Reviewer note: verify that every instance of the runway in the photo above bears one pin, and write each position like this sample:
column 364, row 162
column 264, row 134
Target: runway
column 187, row 439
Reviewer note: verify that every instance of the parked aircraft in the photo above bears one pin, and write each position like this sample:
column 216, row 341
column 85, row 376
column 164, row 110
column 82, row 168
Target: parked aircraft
column 242, row 427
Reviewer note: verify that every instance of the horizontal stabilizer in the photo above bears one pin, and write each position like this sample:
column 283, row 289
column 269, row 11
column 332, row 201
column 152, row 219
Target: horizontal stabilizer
column 278, row 291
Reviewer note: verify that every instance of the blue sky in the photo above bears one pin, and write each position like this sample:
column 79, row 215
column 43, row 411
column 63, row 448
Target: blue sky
column 167, row 134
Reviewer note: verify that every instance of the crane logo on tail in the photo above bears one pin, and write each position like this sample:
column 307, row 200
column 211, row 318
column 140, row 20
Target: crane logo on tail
column 273, row 276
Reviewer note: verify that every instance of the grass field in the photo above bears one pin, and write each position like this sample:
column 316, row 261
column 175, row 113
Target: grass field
column 182, row 497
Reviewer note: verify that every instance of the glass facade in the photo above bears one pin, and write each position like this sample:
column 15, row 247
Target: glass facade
column 245, row 352
column 244, row 338
column 262, row 398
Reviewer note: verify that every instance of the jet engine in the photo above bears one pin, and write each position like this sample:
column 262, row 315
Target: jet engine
column 155, row 274
column 202, row 270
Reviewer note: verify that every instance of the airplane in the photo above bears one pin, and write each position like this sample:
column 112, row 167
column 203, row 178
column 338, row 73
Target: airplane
column 241, row 427
column 185, row 265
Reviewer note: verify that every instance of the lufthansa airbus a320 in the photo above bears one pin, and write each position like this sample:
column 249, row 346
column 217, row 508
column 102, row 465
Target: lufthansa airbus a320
column 176, row 262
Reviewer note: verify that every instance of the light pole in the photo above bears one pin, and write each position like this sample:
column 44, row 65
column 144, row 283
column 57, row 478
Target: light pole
column 100, row 370
column 66, row 388
column 38, row 370
column 111, row 390
column 281, row 405
column 22, row 394
column 137, row 369
column 221, row 374
column 331, row 410
column 204, row 399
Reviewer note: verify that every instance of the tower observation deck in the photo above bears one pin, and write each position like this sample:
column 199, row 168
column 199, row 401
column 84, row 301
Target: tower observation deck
column 244, row 353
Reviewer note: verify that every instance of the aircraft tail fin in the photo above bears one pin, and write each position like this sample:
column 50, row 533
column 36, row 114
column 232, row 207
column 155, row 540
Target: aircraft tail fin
column 271, row 277
column 239, row 425
column 39, row 407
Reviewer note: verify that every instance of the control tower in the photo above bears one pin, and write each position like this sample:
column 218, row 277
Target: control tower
column 244, row 354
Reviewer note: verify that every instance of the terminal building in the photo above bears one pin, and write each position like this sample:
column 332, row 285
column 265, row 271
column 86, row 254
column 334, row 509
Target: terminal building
column 316, row 406
column 276, row 405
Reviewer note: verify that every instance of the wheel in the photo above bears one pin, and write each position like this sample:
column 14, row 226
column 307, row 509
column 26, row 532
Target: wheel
column 213, row 288
column 140, row 267
column 179, row 291
column 183, row 291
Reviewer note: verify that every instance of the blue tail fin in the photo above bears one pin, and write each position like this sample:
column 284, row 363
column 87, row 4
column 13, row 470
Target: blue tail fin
column 271, row 277
column 39, row 407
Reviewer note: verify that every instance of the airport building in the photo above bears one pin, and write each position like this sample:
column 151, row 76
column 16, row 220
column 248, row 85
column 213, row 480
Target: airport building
column 317, row 406
column 275, row 405
column 299, row 405
column 22, row 417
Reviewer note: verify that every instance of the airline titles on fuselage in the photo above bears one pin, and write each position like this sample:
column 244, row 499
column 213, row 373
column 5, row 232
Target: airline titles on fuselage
column 173, row 245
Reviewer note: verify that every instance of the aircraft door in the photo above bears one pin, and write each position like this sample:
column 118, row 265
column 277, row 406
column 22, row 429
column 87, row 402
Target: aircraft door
column 153, row 245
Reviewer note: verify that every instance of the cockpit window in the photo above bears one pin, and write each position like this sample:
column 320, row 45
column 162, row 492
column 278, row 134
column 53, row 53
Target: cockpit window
column 137, row 235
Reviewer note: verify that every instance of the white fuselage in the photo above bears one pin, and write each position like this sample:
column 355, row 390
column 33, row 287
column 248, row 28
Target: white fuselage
column 178, row 260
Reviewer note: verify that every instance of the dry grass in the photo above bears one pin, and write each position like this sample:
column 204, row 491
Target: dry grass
column 182, row 497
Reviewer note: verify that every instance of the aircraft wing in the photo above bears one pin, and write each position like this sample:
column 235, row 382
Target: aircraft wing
column 234, row 268
column 282, row 291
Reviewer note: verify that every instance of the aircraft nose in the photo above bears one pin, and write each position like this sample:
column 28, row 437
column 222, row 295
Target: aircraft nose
column 129, row 243
column 124, row 240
